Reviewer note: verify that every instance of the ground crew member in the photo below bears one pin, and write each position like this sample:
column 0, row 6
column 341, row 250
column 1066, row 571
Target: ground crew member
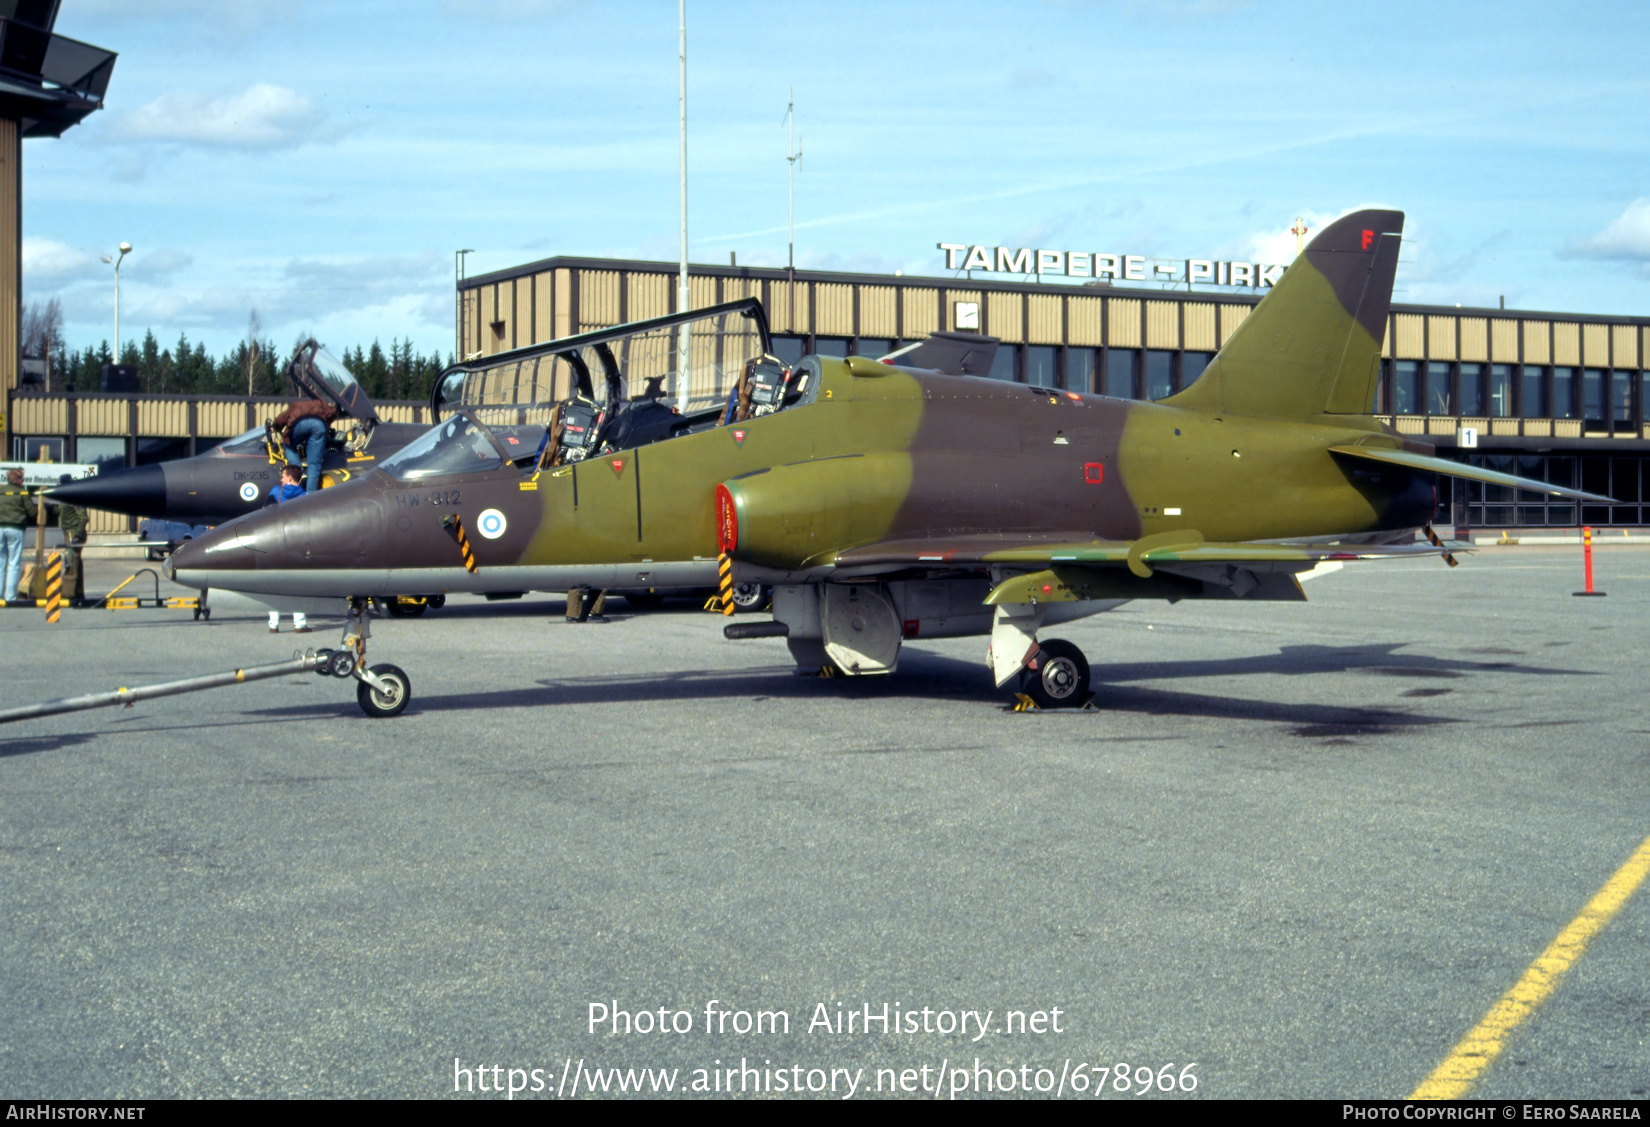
column 17, row 510
column 305, row 421
column 72, row 520
column 289, row 486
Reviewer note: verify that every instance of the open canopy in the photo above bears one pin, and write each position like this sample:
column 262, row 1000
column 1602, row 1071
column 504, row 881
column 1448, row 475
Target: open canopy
column 319, row 375
column 636, row 361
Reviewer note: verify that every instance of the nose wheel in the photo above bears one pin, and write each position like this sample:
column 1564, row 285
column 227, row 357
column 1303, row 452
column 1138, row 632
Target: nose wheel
column 389, row 697
column 1058, row 677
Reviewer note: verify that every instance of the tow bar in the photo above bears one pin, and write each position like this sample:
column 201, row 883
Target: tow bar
column 382, row 691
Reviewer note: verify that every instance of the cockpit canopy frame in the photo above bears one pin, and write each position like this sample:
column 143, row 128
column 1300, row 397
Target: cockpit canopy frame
column 629, row 362
column 318, row 374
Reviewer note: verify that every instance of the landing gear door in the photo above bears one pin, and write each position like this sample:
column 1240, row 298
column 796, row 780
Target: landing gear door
column 861, row 628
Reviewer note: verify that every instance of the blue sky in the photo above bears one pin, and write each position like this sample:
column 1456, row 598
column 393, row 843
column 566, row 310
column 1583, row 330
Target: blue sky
column 321, row 162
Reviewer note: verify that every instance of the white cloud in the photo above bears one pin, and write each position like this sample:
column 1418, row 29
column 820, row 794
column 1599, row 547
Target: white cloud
column 48, row 263
column 262, row 116
column 1625, row 237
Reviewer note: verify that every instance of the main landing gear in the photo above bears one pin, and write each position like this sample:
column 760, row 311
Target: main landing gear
column 1057, row 677
column 385, row 689
column 1053, row 673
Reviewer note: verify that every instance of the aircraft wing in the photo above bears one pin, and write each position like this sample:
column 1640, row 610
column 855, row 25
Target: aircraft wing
column 1458, row 469
column 1138, row 555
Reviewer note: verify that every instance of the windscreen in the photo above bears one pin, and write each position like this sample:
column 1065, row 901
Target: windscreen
column 458, row 445
column 252, row 443
column 643, row 363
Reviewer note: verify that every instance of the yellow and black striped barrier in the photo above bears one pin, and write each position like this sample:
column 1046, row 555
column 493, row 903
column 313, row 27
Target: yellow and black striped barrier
column 463, row 543
column 724, row 573
column 54, row 586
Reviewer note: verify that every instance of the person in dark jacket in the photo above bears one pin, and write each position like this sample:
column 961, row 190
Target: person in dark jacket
column 306, row 422
column 17, row 509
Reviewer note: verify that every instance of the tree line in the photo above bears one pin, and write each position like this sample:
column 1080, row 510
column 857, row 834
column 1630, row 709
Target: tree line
column 256, row 365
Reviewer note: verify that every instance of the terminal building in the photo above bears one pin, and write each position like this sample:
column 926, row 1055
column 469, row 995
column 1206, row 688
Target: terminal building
column 1559, row 397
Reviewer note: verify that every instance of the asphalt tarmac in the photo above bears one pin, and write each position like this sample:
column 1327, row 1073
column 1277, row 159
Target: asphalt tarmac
column 1306, row 847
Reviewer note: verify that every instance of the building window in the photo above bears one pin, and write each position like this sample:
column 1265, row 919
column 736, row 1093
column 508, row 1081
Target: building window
column 1564, row 393
column 873, row 347
column 28, row 449
column 831, row 346
column 1535, row 392
column 1040, row 364
column 1406, row 389
column 1159, row 374
column 789, row 349
column 104, row 453
column 154, row 450
column 1003, row 364
column 1192, row 365
column 1120, row 372
column 1593, row 402
column 1621, row 400
column 1472, row 389
column 1501, row 394
column 1438, row 396
column 1080, row 370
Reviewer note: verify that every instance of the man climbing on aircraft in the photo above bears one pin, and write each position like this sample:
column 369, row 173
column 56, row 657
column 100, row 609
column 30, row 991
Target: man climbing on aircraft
column 305, row 421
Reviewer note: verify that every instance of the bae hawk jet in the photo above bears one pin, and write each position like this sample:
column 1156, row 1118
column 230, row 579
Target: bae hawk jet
column 884, row 504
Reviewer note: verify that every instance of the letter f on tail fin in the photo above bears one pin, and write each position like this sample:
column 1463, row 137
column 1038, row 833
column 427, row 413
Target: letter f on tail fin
column 1313, row 345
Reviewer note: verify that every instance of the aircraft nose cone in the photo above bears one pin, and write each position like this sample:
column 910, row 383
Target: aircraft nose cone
column 244, row 545
column 140, row 491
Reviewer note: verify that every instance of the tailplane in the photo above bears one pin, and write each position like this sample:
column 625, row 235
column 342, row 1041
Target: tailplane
column 1313, row 345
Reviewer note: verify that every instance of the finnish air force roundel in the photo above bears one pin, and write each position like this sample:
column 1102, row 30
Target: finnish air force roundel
column 491, row 524
column 249, row 492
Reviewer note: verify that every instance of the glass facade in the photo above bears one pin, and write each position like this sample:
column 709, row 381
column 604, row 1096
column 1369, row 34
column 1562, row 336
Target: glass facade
column 1192, row 365
column 1406, row 387
column 1002, row 364
column 1564, row 393
column 1120, row 363
column 1593, row 403
column 1472, row 389
column 1439, row 399
column 1501, row 390
column 1159, row 374
column 1623, row 477
column 1040, row 365
column 873, row 347
column 1080, row 369
column 1535, row 392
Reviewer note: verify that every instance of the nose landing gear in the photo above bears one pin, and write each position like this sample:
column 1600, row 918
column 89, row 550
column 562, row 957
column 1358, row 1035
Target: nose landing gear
column 385, row 689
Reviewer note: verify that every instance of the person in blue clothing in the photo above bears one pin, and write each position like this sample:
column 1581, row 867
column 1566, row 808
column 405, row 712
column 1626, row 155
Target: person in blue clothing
column 291, row 485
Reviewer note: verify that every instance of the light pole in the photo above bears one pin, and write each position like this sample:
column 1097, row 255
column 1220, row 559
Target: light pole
column 458, row 301
column 684, row 348
column 125, row 249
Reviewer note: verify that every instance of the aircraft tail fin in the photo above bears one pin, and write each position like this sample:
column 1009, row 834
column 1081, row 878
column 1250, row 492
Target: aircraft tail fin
column 1313, row 345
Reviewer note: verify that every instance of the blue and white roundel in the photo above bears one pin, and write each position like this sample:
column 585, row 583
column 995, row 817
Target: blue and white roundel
column 491, row 524
column 249, row 492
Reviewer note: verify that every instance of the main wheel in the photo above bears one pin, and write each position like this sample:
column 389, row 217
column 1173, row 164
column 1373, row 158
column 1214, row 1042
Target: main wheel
column 749, row 597
column 1059, row 677
column 406, row 608
column 644, row 600
column 436, row 602
column 381, row 705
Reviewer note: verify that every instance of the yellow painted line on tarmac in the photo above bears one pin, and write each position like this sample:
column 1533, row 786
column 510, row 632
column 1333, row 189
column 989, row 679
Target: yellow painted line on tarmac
column 1479, row 1048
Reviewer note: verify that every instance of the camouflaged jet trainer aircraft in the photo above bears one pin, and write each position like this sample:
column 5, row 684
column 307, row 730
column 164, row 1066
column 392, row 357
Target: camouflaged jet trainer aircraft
column 235, row 478
column 884, row 504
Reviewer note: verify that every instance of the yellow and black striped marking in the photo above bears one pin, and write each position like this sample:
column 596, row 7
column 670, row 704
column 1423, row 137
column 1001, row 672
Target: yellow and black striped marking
column 724, row 574
column 54, row 586
column 464, row 544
